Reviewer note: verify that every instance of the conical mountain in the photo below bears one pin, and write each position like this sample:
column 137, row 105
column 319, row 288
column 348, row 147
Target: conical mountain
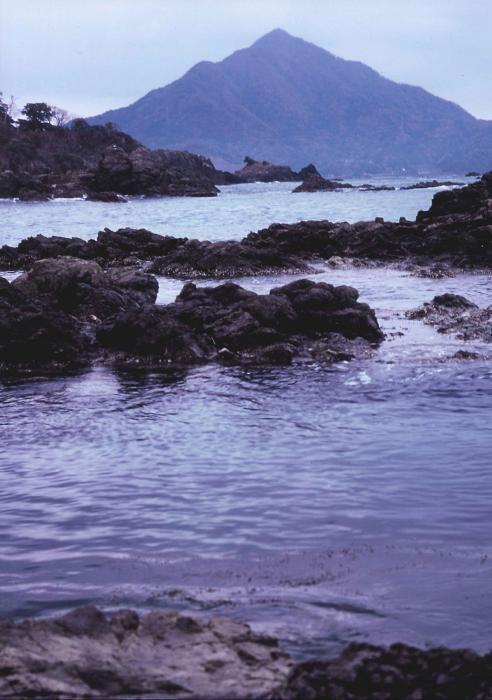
column 286, row 100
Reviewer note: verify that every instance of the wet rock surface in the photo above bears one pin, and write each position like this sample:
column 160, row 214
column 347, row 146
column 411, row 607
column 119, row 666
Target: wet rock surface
column 159, row 654
column 67, row 311
column 399, row 672
column 452, row 313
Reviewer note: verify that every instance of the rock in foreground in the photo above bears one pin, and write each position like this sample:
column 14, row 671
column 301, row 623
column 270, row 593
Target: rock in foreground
column 161, row 654
column 67, row 311
column 233, row 325
column 164, row 654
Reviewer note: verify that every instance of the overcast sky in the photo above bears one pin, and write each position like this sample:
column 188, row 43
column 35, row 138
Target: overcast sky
column 91, row 55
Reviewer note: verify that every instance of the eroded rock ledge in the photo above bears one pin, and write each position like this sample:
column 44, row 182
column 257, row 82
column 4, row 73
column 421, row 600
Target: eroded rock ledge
column 456, row 230
column 164, row 654
column 67, row 313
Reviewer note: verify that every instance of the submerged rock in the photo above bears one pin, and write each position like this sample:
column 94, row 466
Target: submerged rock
column 452, row 313
column 161, row 654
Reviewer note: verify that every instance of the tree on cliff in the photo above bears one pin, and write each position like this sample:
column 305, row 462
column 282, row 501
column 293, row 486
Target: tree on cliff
column 38, row 115
column 5, row 117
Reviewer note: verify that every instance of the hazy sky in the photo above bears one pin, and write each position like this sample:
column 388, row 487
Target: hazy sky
column 91, row 55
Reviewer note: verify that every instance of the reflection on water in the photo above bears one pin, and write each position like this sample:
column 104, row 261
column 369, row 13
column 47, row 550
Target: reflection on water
column 319, row 503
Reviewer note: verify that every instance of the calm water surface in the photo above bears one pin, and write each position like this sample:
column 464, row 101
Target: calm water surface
column 320, row 504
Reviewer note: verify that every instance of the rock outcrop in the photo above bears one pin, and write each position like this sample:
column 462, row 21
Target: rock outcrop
column 99, row 162
column 159, row 654
column 263, row 171
column 457, row 229
column 143, row 171
column 315, row 183
column 67, row 311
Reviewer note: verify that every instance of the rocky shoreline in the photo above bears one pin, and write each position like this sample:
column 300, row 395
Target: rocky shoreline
column 166, row 654
column 456, row 230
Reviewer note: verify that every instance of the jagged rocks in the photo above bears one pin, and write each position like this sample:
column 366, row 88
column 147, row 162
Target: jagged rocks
column 230, row 324
column 162, row 654
column 462, row 238
column 110, row 316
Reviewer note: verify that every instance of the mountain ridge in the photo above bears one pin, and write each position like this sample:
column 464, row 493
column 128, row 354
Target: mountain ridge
column 284, row 99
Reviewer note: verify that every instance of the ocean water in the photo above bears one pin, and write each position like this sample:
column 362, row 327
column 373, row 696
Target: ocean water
column 320, row 504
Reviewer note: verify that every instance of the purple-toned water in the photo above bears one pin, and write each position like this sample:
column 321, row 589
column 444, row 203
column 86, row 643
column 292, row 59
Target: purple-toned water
column 321, row 504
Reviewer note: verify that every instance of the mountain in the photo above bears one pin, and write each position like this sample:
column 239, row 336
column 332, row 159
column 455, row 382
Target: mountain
column 289, row 101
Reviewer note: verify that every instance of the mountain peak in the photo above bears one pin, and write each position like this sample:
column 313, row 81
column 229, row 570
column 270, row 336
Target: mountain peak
column 278, row 38
column 286, row 100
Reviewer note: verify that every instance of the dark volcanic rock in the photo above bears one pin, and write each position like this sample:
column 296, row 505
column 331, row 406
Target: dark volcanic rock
column 452, row 313
column 161, row 654
column 154, row 173
column 110, row 315
column 456, row 230
column 263, row 171
column 400, row 672
column 175, row 257
column 425, row 184
column 84, row 289
column 316, row 183
column 105, row 197
column 228, row 323
column 35, row 337
column 195, row 259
